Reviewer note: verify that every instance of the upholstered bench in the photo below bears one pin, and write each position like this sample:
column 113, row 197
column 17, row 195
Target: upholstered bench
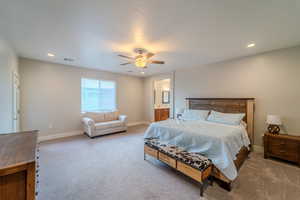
column 194, row 165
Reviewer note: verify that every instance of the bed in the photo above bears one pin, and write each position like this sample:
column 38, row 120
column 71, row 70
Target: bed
column 208, row 138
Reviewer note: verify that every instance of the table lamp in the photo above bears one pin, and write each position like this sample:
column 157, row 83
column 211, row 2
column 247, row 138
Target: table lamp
column 274, row 122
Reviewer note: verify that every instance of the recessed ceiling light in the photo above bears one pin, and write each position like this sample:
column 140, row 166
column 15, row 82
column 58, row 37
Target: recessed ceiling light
column 250, row 45
column 50, row 54
column 142, row 72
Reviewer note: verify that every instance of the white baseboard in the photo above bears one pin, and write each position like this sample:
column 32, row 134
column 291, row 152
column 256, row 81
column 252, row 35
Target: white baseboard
column 42, row 138
column 258, row 149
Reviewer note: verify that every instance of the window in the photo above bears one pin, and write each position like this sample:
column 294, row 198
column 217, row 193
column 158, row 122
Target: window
column 97, row 95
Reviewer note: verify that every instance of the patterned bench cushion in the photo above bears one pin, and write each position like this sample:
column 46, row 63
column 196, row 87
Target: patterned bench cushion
column 192, row 159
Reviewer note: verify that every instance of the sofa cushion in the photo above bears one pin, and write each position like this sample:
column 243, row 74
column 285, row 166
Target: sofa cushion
column 96, row 116
column 102, row 116
column 110, row 116
column 109, row 124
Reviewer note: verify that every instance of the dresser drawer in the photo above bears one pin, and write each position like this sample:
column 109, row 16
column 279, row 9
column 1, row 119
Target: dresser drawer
column 150, row 151
column 291, row 145
column 292, row 150
column 276, row 146
column 284, row 148
column 166, row 159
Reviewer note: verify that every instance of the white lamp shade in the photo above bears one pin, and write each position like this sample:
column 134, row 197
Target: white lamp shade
column 274, row 120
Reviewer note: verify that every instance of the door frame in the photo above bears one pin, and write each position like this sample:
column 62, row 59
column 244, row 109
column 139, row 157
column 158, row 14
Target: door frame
column 15, row 102
column 158, row 78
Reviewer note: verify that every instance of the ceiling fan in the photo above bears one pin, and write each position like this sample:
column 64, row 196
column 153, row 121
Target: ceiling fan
column 142, row 59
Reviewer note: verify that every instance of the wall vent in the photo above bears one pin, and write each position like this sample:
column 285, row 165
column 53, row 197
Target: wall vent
column 69, row 59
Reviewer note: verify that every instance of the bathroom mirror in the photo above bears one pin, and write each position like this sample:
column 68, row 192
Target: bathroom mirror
column 165, row 97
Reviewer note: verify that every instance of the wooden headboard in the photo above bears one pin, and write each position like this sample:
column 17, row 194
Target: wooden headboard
column 227, row 105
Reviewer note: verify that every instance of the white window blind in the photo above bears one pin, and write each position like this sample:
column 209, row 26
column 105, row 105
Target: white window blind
column 97, row 95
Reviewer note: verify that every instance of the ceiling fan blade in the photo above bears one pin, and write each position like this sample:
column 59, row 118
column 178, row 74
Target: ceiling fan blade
column 157, row 62
column 125, row 56
column 149, row 55
column 125, row 63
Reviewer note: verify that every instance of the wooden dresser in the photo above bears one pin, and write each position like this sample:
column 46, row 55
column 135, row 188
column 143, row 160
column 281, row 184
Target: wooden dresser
column 161, row 114
column 18, row 166
column 285, row 147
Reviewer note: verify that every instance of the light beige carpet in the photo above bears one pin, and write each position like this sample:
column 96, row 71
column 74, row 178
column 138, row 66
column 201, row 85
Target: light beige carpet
column 112, row 168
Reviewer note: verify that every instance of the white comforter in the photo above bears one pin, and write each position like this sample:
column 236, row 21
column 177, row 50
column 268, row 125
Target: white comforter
column 218, row 142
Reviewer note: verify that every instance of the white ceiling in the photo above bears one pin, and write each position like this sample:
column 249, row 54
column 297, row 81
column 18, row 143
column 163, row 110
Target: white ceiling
column 183, row 33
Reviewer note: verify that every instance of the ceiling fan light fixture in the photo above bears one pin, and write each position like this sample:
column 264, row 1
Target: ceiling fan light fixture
column 142, row 59
column 140, row 62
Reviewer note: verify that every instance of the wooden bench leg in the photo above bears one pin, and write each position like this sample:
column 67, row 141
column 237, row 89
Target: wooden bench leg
column 211, row 180
column 226, row 186
column 201, row 189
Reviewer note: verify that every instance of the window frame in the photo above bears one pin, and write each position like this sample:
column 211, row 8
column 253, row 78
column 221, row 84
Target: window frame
column 81, row 91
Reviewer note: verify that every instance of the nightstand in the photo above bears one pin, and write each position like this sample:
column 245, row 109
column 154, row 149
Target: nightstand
column 285, row 147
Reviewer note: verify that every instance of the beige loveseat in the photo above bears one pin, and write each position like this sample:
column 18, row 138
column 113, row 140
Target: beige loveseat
column 101, row 123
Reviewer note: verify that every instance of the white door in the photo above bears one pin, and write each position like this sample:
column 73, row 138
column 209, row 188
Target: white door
column 16, row 102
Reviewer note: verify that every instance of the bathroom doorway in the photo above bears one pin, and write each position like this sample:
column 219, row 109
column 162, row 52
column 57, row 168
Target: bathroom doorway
column 162, row 99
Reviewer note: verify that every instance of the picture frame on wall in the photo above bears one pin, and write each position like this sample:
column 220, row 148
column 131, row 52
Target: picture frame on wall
column 165, row 97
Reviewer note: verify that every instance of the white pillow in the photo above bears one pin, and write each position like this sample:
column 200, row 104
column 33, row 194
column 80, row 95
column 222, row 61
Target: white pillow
column 244, row 124
column 226, row 118
column 194, row 114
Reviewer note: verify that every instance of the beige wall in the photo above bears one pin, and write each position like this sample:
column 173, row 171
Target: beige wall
column 272, row 78
column 8, row 65
column 50, row 96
